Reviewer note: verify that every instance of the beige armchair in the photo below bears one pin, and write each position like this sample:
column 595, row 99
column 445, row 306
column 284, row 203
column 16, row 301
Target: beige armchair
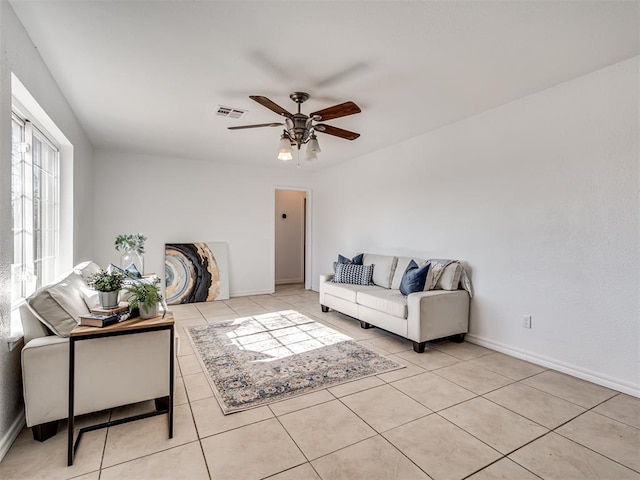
column 109, row 372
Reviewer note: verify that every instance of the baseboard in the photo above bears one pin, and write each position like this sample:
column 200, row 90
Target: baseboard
column 249, row 293
column 14, row 430
column 289, row 280
column 590, row 376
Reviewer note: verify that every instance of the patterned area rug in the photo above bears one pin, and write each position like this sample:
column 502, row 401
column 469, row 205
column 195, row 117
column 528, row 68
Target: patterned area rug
column 258, row 360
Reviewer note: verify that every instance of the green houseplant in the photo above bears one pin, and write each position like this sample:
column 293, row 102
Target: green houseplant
column 108, row 285
column 132, row 246
column 133, row 242
column 145, row 295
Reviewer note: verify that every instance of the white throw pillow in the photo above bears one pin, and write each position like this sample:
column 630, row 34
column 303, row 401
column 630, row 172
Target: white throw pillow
column 60, row 304
column 450, row 277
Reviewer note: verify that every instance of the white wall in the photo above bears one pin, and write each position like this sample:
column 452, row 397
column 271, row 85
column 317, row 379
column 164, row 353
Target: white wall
column 180, row 200
column 289, row 234
column 19, row 55
column 539, row 197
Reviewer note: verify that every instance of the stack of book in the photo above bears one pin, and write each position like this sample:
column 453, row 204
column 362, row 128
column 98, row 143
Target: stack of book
column 121, row 308
column 103, row 317
column 98, row 320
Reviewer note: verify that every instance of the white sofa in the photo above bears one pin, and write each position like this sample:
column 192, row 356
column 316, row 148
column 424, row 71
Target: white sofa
column 109, row 372
column 440, row 312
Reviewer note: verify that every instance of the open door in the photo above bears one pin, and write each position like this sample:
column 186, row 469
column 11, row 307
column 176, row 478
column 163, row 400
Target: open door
column 291, row 237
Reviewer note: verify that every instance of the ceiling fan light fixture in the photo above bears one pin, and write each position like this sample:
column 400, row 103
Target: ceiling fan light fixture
column 285, row 153
column 313, row 145
column 300, row 128
column 310, row 154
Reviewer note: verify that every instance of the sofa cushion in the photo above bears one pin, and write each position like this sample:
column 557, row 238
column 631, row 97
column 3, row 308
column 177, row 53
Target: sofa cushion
column 346, row 291
column 385, row 267
column 387, row 301
column 401, row 266
column 59, row 304
column 351, row 273
column 414, row 278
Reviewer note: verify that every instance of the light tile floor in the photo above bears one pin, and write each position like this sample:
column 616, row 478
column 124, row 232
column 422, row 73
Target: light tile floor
column 457, row 411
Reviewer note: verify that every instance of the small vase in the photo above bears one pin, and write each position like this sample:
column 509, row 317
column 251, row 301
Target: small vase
column 129, row 257
column 146, row 312
column 108, row 299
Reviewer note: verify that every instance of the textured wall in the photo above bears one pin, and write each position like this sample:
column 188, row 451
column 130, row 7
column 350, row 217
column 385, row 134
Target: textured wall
column 19, row 55
column 10, row 387
column 176, row 200
column 539, row 197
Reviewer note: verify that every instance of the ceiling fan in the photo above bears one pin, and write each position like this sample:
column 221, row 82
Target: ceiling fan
column 300, row 128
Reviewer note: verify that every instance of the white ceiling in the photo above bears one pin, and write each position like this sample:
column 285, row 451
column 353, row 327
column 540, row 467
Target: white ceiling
column 147, row 76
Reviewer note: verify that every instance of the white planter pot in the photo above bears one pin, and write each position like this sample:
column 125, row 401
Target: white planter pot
column 149, row 312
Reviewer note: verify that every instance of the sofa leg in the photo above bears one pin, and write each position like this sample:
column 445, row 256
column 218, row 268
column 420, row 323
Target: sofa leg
column 419, row 347
column 162, row 403
column 44, row 431
column 459, row 338
column 365, row 325
column 324, row 309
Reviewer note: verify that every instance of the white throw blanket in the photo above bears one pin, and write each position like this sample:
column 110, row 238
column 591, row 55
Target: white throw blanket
column 437, row 267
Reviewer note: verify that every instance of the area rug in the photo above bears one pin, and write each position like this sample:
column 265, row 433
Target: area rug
column 254, row 361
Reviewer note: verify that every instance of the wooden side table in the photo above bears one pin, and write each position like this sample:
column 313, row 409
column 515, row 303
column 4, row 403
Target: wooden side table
column 128, row 327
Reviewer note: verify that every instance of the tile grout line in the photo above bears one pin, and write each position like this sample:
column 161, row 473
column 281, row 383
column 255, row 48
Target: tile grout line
column 504, row 456
column 380, row 434
column 193, row 418
column 295, row 443
column 589, row 448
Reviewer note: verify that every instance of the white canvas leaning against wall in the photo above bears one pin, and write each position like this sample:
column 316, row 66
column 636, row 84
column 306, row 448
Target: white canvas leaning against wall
column 196, row 272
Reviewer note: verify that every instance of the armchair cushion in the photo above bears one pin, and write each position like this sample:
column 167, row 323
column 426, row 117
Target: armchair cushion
column 59, row 305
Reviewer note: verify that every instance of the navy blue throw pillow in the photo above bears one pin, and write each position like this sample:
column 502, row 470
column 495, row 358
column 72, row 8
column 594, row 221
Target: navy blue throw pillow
column 357, row 260
column 414, row 278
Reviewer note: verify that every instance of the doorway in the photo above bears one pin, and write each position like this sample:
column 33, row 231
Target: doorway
column 292, row 237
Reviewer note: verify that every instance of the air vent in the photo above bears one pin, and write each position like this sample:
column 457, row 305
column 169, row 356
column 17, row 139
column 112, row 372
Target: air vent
column 230, row 112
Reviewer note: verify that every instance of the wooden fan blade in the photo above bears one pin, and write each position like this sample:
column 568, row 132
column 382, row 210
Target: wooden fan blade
column 337, row 111
column 257, row 125
column 335, row 131
column 274, row 107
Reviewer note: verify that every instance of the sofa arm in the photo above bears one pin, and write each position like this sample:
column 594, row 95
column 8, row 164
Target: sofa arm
column 324, row 278
column 130, row 369
column 437, row 314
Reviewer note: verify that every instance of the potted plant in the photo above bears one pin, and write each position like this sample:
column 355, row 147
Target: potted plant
column 145, row 296
column 108, row 285
column 132, row 246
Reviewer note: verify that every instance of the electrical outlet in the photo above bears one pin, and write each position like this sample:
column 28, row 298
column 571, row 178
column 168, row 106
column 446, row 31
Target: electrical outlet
column 526, row 321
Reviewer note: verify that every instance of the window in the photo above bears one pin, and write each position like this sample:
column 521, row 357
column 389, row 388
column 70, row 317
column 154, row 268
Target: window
column 35, row 181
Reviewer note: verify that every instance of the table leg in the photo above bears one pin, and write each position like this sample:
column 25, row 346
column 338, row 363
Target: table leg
column 72, row 374
column 171, row 378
